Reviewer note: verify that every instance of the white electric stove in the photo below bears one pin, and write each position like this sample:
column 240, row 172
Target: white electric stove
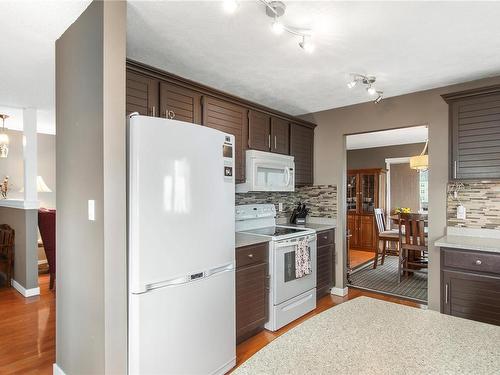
column 290, row 297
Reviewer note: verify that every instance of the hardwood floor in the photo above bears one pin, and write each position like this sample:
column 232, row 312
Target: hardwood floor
column 251, row 346
column 27, row 331
column 27, row 328
column 359, row 257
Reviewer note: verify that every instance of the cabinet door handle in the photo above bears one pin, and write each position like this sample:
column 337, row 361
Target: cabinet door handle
column 446, row 293
column 454, row 169
column 269, row 141
column 250, row 256
column 325, row 237
column 153, row 111
column 275, row 147
column 478, row 262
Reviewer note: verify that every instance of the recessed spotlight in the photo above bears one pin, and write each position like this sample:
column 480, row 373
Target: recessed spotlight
column 306, row 45
column 277, row 27
column 371, row 90
column 230, row 6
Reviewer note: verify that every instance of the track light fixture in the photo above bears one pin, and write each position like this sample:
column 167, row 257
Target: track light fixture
column 369, row 83
column 276, row 9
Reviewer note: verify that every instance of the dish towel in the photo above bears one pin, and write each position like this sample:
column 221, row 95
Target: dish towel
column 302, row 259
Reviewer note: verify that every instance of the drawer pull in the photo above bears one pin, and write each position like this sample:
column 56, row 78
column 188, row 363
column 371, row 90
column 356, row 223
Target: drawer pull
column 325, row 237
column 478, row 262
column 250, row 256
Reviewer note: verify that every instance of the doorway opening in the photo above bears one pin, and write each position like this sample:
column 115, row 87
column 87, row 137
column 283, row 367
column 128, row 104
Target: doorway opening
column 387, row 192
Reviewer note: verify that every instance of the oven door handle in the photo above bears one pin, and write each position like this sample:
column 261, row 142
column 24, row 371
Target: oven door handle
column 279, row 245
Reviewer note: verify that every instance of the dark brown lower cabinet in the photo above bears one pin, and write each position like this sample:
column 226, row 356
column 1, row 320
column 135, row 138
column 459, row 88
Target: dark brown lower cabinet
column 252, row 290
column 325, row 262
column 470, row 285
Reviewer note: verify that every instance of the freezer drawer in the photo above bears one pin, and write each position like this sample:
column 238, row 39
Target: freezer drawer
column 184, row 329
column 292, row 309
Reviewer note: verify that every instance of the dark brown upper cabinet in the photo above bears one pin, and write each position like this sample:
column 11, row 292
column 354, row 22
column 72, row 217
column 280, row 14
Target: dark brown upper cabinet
column 181, row 103
column 259, row 127
column 302, row 148
column 280, row 136
column 232, row 119
column 474, row 117
column 142, row 94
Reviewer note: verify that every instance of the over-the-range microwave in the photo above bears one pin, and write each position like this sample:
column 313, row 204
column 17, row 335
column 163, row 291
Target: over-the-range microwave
column 266, row 171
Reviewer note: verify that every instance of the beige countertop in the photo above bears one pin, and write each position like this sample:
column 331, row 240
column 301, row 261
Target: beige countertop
column 487, row 240
column 316, row 223
column 316, row 227
column 396, row 339
column 246, row 239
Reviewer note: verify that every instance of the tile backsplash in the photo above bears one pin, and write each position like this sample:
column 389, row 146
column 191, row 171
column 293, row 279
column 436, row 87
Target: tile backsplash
column 320, row 199
column 482, row 203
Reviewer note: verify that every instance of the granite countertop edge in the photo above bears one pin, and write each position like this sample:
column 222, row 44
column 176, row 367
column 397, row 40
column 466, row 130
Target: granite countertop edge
column 485, row 244
column 247, row 239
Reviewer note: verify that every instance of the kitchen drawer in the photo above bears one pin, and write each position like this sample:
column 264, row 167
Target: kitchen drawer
column 471, row 261
column 325, row 237
column 294, row 308
column 251, row 254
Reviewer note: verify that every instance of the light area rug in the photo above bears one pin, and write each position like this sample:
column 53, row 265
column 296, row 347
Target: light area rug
column 368, row 336
column 384, row 278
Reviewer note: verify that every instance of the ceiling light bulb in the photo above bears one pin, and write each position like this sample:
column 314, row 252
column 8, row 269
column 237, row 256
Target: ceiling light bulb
column 352, row 84
column 371, row 90
column 277, row 27
column 230, row 6
column 306, row 45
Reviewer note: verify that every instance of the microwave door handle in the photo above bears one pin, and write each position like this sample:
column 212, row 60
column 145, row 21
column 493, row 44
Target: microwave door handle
column 287, row 176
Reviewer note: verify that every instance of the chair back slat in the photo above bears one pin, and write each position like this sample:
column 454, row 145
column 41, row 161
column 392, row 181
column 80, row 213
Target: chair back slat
column 380, row 220
column 414, row 231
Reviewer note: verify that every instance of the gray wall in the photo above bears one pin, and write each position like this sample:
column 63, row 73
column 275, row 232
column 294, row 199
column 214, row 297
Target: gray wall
column 25, row 225
column 91, row 165
column 13, row 166
column 420, row 108
column 375, row 157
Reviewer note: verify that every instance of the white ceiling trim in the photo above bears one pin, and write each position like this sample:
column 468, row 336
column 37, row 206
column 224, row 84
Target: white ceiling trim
column 393, row 137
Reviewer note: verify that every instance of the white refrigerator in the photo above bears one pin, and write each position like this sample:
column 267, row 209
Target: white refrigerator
column 181, row 248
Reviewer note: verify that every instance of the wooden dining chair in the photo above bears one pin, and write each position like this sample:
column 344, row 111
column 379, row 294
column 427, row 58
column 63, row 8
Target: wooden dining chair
column 413, row 244
column 7, row 236
column 384, row 235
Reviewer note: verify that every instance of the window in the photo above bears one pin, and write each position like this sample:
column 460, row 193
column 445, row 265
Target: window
column 424, row 190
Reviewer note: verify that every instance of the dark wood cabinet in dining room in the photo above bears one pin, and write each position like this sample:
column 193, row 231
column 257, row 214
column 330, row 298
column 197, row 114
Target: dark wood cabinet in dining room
column 366, row 190
column 474, row 117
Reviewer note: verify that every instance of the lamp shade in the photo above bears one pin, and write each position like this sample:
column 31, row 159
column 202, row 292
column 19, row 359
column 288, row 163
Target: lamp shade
column 41, row 186
column 419, row 162
column 4, row 145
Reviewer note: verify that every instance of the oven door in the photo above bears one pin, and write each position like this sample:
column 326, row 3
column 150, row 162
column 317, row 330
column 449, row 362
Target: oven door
column 285, row 284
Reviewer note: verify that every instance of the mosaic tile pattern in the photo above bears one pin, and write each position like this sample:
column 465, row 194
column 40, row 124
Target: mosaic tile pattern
column 482, row 202
column 320, row 199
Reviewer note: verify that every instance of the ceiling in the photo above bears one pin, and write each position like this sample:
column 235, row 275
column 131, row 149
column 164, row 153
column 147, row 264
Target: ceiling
column 383, row 138
column 409, row 46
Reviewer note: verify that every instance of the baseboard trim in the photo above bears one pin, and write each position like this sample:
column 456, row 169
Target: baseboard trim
column 56, row 370
column 340, row 292
column 25, row 292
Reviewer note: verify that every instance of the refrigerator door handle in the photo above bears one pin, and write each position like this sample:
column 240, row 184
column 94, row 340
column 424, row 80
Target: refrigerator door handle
column 189, row 278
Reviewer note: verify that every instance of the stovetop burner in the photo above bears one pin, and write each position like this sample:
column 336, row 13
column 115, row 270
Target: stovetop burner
column 275, row 231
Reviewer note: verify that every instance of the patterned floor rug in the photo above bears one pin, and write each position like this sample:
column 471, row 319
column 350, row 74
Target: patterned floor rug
column 385, row 279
